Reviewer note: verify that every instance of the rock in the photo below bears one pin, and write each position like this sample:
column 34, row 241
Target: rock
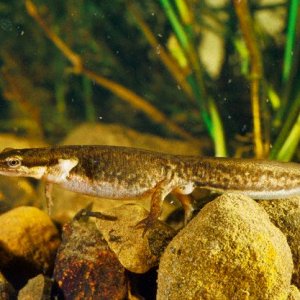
column 16, row 192
column 230, row 250
column 14, row 141
column 38, row 287
column 85, row 267
column 117, row 135
column 285, row 214
column 294, row 293
column 28, row 242
column 7, row 291
column 137, row 253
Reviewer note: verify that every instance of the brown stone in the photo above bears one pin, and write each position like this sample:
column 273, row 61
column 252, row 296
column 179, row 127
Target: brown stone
column 85, row 267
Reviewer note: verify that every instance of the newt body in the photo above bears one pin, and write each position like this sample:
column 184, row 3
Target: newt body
column 126, row 173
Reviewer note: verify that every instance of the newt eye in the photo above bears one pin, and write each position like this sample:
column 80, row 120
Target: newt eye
column 13, row 162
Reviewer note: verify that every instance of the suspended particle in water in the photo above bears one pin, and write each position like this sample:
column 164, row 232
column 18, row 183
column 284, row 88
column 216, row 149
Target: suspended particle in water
column 153, row 14
column 100, row 118
column 229, row 80
column 244, row 128
column 158, row 49
column 22, row 32
column 160, row 35
column 229, row 117
column 6, row 24
column 178, row 87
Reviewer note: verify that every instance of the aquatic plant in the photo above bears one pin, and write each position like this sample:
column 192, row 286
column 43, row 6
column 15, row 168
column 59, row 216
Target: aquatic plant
column 150, row 55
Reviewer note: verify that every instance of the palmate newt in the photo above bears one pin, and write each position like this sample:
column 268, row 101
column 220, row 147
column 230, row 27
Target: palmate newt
column 128, row 173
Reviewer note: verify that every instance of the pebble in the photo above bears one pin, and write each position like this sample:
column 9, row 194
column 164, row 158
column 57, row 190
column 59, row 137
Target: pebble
column 38, row 287
column 230, row 250
column 137, row 253
column 28, row 242
column 85, row 267
column 16, row 191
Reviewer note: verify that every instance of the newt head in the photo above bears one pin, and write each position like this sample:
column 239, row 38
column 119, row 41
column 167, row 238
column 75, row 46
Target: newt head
column 20, row 162
column 39, row 163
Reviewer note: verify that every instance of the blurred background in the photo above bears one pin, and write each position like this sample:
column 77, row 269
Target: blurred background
column 221, row 76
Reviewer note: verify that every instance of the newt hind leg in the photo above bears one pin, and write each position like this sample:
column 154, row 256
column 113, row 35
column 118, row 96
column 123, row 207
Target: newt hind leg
column 187, row 204
column 157, row 199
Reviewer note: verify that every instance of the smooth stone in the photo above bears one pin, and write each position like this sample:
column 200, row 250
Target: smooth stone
column 16, row 191
column 137, row 252
column 28, row 242
column 118, row 135
column 230, row 250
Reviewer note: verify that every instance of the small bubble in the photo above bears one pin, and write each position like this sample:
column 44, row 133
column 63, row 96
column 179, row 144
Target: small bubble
column 152, row 14
column 229, row 80
column 229, row 117
column 158, row 49
column 100, row 118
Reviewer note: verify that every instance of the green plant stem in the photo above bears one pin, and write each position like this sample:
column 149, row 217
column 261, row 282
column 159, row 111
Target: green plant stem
column 291, row 143
column 256, row 73
column 291, row 37
column 178, row 73
column 290, row 121
column 290, row 63
column 185, row 35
